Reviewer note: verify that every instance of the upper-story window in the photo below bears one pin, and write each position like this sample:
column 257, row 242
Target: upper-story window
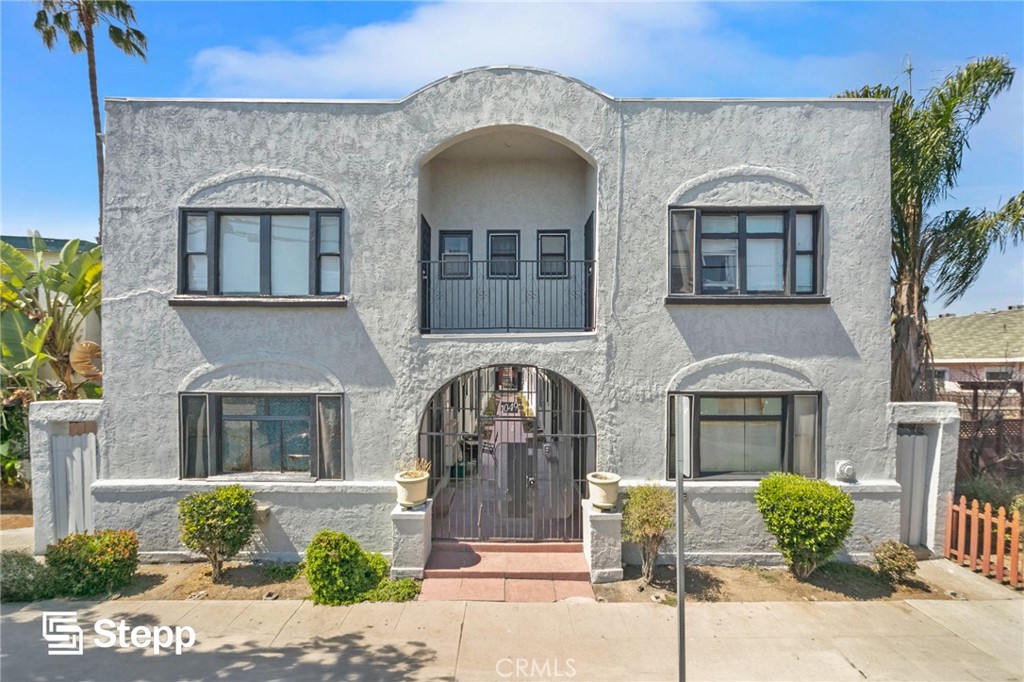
column 260, row 253
column 503, row 254
column 553, row 254
column 456, row 254
column 755, row 252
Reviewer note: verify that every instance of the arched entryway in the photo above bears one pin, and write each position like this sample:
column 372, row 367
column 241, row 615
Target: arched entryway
column 510, row 447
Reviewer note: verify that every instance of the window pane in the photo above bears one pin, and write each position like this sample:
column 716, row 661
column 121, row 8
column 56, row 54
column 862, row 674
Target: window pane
column 552, row 245
column 289, row 255
column 764, row 265
column 455, row 243
column 721, row 447
column 330, row 234
column 740, row 447
column 296, row 445
column 718, row 265
column 195, row 436
column 504, row 245
column 330, row 274
column 196, row 233
column 805, row 435
column 289, row 407
column 240, row 254
column 763, row 406
column 718, row 224
column 804, row 274
column 266, row 446
column 762, row 447
column 717, row 406
column 804, row 232
column 680, row 272
column 330, row 436
column 759, row 224
column 246, row 407
column 198, row 279
column 235, row 451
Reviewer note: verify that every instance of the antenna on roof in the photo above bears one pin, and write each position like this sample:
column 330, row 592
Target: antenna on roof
column 908, row 68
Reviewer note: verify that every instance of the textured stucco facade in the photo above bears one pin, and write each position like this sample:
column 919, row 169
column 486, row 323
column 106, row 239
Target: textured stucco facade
column 372, row 159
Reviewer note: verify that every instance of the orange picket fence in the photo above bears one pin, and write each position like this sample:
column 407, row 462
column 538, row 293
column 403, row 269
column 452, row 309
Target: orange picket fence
column 985, row 541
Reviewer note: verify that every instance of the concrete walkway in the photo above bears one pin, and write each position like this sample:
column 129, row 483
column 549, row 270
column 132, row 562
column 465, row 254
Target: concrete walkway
column 572, row 640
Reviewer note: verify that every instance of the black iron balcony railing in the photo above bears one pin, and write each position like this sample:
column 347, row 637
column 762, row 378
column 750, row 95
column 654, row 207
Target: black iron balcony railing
column 506, row 295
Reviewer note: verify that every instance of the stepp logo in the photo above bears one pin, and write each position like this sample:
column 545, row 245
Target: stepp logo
column 62, row 633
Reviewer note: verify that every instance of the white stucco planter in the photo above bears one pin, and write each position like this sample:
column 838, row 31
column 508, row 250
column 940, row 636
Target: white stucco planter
column 412, row 488
column 604, row 489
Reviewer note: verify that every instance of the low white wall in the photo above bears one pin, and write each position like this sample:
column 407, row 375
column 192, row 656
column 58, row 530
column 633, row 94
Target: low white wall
column 47, row 419
column 297, row 511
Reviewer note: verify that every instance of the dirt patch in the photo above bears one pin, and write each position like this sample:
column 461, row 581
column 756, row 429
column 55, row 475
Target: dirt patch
column 831, row 582
column 10, row 521
column 239, row 580
column 16, row 499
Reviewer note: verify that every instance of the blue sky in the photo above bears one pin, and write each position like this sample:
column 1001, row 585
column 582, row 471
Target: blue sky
column 386, row 50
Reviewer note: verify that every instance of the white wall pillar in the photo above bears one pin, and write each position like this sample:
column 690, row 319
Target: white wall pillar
column 410, row 547
column 602, row 543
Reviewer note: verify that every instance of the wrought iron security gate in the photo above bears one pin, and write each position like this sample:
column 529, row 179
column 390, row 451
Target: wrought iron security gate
column 510, row 447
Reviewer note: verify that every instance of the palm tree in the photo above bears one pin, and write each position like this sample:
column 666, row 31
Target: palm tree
column 943, row 253
column 77, row 20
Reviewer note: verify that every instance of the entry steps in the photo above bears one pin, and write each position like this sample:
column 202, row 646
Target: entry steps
column 508, row 560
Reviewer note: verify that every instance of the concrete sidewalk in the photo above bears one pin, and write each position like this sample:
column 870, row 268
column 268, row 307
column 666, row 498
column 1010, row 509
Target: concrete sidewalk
column 576, row 639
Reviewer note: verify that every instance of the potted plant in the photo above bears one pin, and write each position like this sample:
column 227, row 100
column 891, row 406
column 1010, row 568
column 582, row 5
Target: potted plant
column 412, row 480
column 604, row 489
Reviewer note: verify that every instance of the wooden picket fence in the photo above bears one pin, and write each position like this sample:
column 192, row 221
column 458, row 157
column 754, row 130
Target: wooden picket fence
column 984, row 540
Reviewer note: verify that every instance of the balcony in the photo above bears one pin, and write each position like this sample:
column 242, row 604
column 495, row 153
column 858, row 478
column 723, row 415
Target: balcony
column 506, row 296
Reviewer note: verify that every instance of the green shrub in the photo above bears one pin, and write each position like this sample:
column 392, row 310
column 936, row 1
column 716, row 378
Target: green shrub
column 648, row 514
column 405, row 589
column 894, row 561
column 1016, row 505
column 22, row 578
column 809, row 519
column 339, row 570
column 279, row 572
column 997, row 491
column 84, row 564
column 218, row 523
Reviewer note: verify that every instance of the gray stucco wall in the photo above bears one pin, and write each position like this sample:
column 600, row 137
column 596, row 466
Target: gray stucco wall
column 164, row 155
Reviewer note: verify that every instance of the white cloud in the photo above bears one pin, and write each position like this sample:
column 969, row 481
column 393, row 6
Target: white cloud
column 616, row 42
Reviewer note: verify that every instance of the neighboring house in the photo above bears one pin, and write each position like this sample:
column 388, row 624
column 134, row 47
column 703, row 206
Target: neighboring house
column 90, row 330
column 507, row 272
column 986, row 346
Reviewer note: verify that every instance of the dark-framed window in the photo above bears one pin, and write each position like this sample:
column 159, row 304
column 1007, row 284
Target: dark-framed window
column 261, row 434
column 456, row 253
column 552, row 254
column 755, row 252
column 507, row 378
column 244, row 252
column 743, row 435
column 998, row 375
column 503, row 254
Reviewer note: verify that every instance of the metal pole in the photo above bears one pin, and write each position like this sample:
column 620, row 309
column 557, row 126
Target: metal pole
column 680, row 565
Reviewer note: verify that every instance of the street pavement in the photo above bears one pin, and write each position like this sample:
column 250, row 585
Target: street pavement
column 577, row 639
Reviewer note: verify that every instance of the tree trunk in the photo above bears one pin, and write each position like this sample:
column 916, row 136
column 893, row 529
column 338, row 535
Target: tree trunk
column 90, row 51
column 911, row 347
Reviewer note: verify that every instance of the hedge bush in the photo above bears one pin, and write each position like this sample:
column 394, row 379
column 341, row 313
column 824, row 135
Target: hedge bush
column 810, row 519
column 218, row 523
column 894, row 561
column 22, row 578
column 648, row 514
column 405, row 589
column 85, row 564
column 339, row 570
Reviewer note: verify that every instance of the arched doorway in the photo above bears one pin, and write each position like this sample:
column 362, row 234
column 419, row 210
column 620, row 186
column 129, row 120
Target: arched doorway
column 510, row 447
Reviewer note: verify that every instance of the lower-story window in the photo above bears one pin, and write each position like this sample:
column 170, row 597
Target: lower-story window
column 236, row 434
column 743, row 435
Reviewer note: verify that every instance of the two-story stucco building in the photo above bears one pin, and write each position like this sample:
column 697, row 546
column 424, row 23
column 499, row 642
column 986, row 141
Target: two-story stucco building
column 509, row 273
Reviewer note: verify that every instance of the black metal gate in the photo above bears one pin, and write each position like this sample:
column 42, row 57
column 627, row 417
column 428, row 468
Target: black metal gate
column 510, row 447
